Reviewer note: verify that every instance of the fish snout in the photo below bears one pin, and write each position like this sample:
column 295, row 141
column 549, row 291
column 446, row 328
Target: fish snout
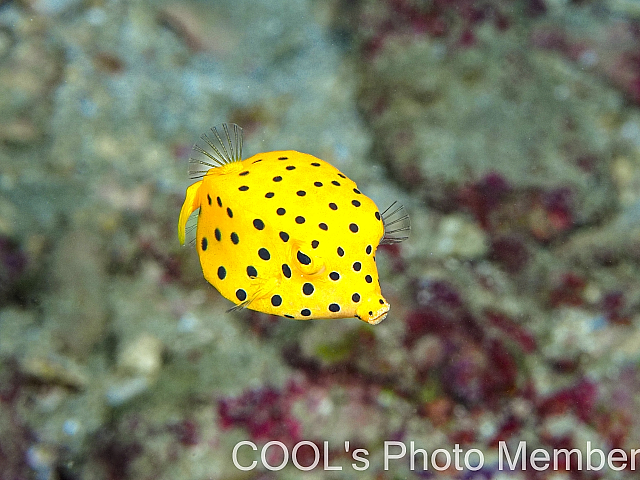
column 373, row 310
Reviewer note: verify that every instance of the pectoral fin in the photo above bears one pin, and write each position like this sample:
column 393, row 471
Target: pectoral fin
column 262, row 288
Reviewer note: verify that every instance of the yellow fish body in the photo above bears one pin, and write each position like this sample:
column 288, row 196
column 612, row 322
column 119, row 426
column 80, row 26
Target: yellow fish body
column 285, row 233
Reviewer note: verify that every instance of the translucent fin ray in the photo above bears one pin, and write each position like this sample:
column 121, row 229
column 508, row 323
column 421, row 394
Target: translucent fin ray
column 191, row 228
column 400, row 219
column 240, row 306
column 224, row 146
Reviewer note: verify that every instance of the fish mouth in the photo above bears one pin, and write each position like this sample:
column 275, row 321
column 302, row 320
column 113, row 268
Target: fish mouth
column 377, row 319
column 374, row 315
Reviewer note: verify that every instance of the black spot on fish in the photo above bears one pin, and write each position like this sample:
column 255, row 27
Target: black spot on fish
column 357, row 266
column 204, row 243
column 241, row 295
column 300, row 220
column 315, row 243
column 281, row 211
column 251, row 271
column 305, row 312
column 307, row 288
column 264, row 254
column 243, row 188
column 355, row 297
column 277, row 179
column 334, row 276
column 353, row 227
column 222, row 272
column 269, row 195
column 276, row 300
column 334, row 307
column 217, row 234
column 258, row 224
column 340, row 252
column 286, row 270
column 229, row 212
column 323, row 226
column 284, row 236
column 355, row 203
column 234, row 238
column 333, row 206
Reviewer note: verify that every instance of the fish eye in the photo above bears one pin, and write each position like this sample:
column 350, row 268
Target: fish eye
column 370, row 313
column 303, row 259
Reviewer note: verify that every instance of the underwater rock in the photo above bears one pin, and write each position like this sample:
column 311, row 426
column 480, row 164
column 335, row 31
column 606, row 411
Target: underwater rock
column 77, row 306
column 141, row 357
column 138, row 365
column 458, row 237
column 445, row 116
column 29, row 71
column 54, row 370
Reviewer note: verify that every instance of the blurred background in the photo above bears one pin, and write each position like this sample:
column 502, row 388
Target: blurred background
column 509, row 129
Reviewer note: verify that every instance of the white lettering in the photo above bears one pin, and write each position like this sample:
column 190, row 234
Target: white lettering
column 234, row 455
column 591, row 452
column 388, row 456
column 263, row 455
column 434, row 456
column 412, row 459
column 567, row 458
column 533, row 459
column 326, row 459
column 360, row 459
column 478, row 465
column 456, row 451
column 634, row 452
column 503, row 451
column 294, row 455
column 623, row 458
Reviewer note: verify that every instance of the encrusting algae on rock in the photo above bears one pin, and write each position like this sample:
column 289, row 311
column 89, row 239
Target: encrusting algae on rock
column 286, row 233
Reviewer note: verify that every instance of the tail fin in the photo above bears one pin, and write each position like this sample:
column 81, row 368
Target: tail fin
column 191, row 203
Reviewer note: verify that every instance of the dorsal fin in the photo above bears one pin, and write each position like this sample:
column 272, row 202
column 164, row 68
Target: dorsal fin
column 224, row 146
column 394, row 228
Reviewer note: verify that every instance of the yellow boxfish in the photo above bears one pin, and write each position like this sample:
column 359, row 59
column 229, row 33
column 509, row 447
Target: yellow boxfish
column 286, row 233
